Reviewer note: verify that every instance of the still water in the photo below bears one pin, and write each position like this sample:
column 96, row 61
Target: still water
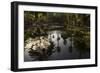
column 60, row 49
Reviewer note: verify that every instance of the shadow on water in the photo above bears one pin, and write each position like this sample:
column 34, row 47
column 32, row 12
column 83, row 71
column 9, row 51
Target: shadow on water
column 82, row 42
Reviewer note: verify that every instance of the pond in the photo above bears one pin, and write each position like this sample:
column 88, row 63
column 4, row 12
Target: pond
column 58, row 46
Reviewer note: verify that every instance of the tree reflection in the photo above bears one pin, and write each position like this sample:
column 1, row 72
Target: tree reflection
column 50, row 49
column 53, row 36
column 70, row 47
column 81, row 42
column 58, row 47
column 64, row 36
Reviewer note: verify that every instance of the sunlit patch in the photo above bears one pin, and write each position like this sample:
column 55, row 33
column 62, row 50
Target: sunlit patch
column 56, row 36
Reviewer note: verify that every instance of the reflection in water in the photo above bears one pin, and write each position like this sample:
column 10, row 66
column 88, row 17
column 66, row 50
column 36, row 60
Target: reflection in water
column 57, row 45
column 81, row 42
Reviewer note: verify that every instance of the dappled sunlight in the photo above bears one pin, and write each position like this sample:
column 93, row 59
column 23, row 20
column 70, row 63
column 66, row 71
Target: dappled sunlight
column 38, row 42
column 56, row 36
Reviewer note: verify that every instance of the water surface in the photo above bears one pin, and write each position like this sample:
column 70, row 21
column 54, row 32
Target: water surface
column 61, row 48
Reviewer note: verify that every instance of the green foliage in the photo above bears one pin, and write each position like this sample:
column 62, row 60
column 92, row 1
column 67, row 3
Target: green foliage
column 68, row 20
column 39, row 23
column 34, row 32
column 27, row 35
column 82, row 41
